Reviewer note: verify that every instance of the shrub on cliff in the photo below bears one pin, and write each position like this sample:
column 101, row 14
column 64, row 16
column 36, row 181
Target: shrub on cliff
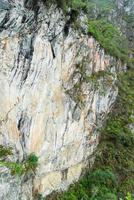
column 73, row 4
column 17, row 168
column 5, row 151
column 109, row 38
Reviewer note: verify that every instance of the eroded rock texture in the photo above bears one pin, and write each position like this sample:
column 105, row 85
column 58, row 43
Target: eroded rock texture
column 56, row 89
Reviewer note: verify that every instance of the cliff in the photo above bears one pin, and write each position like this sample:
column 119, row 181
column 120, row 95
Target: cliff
column 57, row 86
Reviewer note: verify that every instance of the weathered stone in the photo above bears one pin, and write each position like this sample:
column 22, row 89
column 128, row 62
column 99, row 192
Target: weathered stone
column 42, row 110
column 4, row 5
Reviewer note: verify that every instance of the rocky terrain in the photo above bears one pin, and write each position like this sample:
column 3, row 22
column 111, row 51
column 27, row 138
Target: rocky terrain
column 57, row 86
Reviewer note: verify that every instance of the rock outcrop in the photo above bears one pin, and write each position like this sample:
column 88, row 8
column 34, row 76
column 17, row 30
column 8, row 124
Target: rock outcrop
column 56, row 89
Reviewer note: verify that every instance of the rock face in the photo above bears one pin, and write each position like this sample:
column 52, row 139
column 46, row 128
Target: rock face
column 56, row 88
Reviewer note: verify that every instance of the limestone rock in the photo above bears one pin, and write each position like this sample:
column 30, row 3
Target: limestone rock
column 52, row 100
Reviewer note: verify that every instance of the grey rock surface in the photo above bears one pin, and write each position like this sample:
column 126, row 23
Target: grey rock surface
column 52, row 98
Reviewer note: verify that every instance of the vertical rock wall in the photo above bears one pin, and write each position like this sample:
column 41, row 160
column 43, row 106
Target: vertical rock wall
column 56, row 89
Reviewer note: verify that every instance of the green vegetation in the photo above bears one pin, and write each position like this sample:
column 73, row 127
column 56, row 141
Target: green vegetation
column 84, row 4
column 17, row 168
column 5, row 151
column 96, row 76
column 129, row 196
column 109, row 38
column 98, row 185
column 103, row 4
column 76, row 5
column 31, row 162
